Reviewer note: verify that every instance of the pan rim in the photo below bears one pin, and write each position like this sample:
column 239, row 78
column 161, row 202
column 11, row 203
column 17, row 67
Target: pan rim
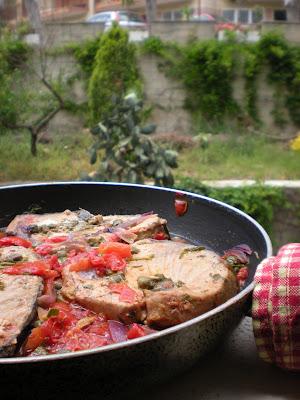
column 168, row 331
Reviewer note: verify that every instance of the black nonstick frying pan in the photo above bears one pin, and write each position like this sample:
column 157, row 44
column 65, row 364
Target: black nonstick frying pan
column 112, row 369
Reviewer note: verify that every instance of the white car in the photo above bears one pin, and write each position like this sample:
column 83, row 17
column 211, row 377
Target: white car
column 125, row 19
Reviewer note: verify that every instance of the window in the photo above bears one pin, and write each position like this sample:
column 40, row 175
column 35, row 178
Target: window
column 177, row 15
column 243, row 16
column 280, row 15
column 229, row 15
column 257, row 16
column 167, row 16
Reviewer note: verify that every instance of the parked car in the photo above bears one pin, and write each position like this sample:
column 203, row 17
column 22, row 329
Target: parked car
column 125, row 19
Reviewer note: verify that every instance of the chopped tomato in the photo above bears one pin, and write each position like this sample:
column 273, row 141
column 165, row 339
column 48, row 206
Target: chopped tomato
column 127, row 294
column 80, row 262
column 34, row 340
column 160, row 236
column 44, row 249
column 57, row 239
column 242, row 275
column 114, row 262
column 135, row 331
column 75, row 339
column 181, row 204
column 39, row 268
column 14, row 241
column 95, row 259
column 121, row 249
column 54, row 263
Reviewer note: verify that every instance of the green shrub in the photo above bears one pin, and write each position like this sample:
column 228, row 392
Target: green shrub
column 152, row 45
column 13, row 50
column 208, row 69
column 259, row 201
column 85, row 54
column 115, row 72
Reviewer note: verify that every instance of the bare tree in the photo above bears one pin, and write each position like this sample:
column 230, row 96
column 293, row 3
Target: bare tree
column 36, row 126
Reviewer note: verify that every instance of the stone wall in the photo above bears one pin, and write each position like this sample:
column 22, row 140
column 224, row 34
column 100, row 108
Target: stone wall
column 291, row 30
column 61, row 33
column 182, row 31
column 166, row 96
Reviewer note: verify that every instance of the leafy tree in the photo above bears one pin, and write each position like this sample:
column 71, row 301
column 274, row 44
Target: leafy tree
column 115, row 72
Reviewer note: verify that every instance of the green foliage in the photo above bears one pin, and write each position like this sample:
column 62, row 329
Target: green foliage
column 208, row 69
column 259, row 201
column 13, row 54
column 282, row 63
column 130, row 155
column 13, row 50
column 85, row 54
column 115, row 72
column 152, row 45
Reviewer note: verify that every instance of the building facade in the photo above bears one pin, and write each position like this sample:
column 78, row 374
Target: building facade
column 238, row 11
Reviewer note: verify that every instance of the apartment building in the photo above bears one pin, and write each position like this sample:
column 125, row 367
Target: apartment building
column 238, row 11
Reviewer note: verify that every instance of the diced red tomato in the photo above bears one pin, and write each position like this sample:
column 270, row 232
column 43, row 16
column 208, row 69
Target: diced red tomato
column 57, row 239
column 160, row 236
column 242, row 274
column 127, row 294
column 121, row 249
column 44, row 249
column 114, row 262
column 181, row 204
column 80, row 262
column 54, row 263
column 95, row 259
column 135, row 331
column 34, row 340
column 76, row 339
column 39, row 268
column 14, row 241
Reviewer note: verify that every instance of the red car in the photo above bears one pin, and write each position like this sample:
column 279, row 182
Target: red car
column 221, row 23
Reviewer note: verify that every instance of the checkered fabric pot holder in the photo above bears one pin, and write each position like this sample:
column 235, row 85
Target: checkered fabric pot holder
column 276, row 308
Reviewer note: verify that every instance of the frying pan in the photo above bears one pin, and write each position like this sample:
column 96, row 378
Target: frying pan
column 133, row 364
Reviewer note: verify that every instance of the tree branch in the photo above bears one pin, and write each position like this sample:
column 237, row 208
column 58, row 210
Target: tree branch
column 54, row 92
column 38, row 126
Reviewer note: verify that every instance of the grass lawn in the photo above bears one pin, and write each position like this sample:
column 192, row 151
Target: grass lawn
column 64, row 159
column 67, row 157
column 245, row 158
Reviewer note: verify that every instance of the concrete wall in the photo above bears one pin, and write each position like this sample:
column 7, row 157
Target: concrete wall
column 166, row 97
column 290, row 30
column 58, row 34
column 182, row 31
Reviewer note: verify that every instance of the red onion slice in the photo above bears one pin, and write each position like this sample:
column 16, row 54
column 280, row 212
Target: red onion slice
column 118, row 331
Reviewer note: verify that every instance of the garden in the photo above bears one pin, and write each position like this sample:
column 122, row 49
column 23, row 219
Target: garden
column 112, row 136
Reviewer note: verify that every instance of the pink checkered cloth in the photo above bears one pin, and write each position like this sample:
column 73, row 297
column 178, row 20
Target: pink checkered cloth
column 276, row 308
